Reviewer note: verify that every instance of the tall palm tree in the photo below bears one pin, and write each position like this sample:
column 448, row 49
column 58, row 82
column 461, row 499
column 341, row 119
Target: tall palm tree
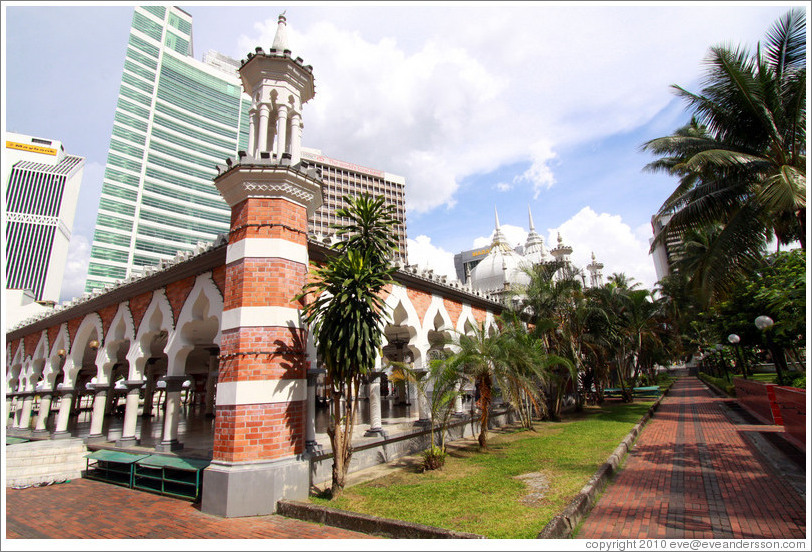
column 346, row 315
column 741, row 161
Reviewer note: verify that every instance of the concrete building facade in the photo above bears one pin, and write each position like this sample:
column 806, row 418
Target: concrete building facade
column 42, row 185
column 223, row 319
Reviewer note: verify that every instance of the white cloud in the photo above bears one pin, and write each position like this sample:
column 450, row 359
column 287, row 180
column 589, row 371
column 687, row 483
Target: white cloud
column 540, row 174
column 444, row 100
column 504, row 186
column 614, row 243
column 426, row 255
column 73, row 283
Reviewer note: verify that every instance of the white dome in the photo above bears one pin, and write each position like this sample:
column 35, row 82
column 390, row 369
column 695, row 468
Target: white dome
column 501, row 265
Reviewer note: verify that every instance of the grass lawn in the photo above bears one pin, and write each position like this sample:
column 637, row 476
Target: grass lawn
column 478, row 491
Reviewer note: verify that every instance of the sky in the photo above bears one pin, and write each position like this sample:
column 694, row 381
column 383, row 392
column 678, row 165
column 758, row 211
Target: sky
column 508, row 106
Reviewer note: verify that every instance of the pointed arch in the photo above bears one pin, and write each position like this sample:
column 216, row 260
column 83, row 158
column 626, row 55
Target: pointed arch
column 199, row 318
column 157, row 318
column 121, row 331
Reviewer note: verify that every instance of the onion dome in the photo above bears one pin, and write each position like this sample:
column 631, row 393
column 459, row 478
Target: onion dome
column 501, row 267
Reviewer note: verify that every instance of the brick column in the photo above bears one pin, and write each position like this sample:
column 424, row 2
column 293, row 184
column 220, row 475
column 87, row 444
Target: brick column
column 259, row 431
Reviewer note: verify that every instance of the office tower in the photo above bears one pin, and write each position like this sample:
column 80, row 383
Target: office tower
column 666, row 252
column 342, row 178
column 175, row 120
column 42, row 186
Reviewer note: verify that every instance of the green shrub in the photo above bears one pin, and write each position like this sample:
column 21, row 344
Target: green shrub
column 433, row 459
column 719, row 383
column 799, row 382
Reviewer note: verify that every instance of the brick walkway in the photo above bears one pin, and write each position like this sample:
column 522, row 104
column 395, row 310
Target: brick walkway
column 85, row 509
column 693, row 475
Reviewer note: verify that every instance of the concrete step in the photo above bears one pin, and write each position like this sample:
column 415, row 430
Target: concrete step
column 38, row 462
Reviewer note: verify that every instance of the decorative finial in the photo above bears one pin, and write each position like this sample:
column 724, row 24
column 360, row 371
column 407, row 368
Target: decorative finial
column 593, row 256
column 280, row 41
column 560, row 241
column 530, row 216
column 497, row 217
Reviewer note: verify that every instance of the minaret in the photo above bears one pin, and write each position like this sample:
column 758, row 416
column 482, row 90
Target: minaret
column 499, row 239
column 260, row 422
column 278, row 85
column 561, row 252
column 595, row 275
column 534, row 245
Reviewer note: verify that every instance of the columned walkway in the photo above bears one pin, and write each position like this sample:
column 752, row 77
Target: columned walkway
column 693, row 474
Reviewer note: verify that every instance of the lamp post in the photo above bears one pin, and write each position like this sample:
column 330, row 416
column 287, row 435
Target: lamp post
column 765, row 324
column 734, row 340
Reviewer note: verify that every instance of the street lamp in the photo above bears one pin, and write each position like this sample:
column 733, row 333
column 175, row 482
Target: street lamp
column 734, row 340
column 764, row 325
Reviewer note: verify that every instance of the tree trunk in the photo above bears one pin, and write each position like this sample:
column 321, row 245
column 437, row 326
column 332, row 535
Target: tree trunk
column 484, row 404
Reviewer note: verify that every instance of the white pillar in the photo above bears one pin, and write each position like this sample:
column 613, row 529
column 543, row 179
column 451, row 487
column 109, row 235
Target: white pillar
column 252, row 132
column 310, row 423
column 61, row 430
column 458, row 400
column 25, row 414
column 9, row 411
column 169, row 442
column 130, row 414
column 99, row 404
column 423, row 410
column 296, row 138
column 263, row 129
column 44, row 411
column 375, row 427
column 281, row 130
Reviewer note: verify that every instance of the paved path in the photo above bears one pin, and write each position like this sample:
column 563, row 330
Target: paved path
column 86, row 509
column 692, row 474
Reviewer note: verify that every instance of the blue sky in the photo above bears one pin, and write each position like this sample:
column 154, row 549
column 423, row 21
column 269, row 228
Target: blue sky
column 479, row 106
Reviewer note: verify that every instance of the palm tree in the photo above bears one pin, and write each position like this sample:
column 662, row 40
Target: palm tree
column 346, row 316
column 741, row 161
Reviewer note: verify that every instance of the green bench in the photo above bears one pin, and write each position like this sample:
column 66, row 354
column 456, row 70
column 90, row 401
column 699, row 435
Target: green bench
column 170, row 475
column 112, row 466
column 651, row 392
column 165, row 475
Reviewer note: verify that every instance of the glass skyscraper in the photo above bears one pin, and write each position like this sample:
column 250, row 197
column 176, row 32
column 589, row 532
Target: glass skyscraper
column 176, row 119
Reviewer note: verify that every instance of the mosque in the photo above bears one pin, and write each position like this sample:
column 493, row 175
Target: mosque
column 501, row 271
column 202, row 366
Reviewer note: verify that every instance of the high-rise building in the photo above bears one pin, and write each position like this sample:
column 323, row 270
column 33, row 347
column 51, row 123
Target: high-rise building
column 42, row 186
column 665, row 253
column 175, row 120
column 342, row 178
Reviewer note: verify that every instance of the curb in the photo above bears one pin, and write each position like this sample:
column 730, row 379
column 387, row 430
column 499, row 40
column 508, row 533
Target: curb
column 362, row 523
column 563, row 524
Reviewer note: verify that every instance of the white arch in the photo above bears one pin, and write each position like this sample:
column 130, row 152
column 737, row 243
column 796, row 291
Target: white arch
column 121, row 329
column 204, row 303
column 54, row 364
column 90, row 324
column 466, row 316
column 39, row 359
column 158, row 317
column 15, row 367
column 399, row 297
column 437, row 307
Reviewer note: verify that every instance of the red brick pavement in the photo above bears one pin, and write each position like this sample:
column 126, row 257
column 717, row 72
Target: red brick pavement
column 693, row 475
column 85, row 509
